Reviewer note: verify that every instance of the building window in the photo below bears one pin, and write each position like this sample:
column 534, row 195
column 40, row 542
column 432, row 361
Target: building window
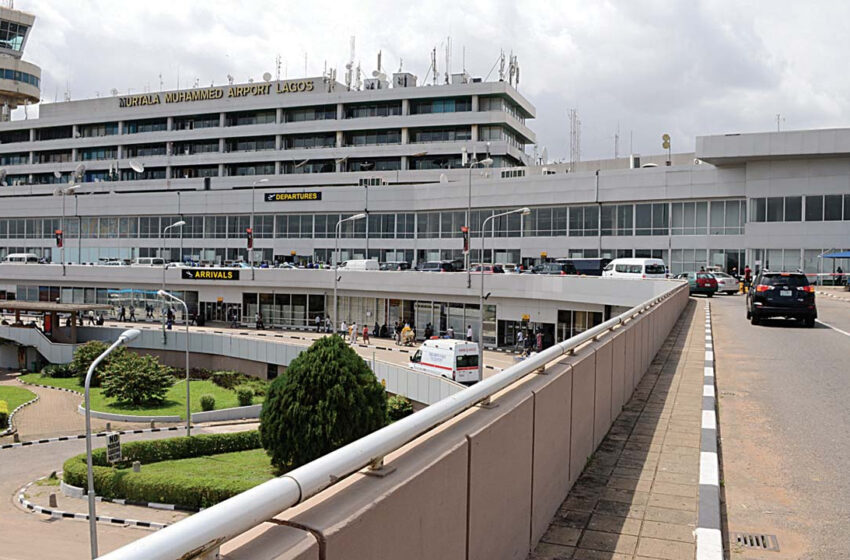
column 301, row 141
column 793, row 208
column 775, row 209
column 832, row 207
column 442, row 135
column 689, row 218
column 148, row 125
column 440, row 106
column 251, row 117
column 327, row 112
column 373, row 110
column 12, row 35
column 814, row 208
column 97, row 130
column 651, row 219
column 373, row 137
column 254, row 144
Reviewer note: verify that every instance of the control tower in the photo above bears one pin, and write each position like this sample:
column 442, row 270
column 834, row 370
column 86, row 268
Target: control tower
column 20, row 81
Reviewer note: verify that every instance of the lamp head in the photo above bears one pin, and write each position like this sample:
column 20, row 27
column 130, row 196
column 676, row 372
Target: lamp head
column 129, row 334
column 258, row 181
column 178, row 224
column 357, row 216
column 162, row 293
column 486, row 162
column 525, row 211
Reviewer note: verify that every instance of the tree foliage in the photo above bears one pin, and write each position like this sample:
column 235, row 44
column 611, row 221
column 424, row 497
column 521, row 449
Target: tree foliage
column 136, row 379
column 327, row 398
column 87, row 353
column 398, row 407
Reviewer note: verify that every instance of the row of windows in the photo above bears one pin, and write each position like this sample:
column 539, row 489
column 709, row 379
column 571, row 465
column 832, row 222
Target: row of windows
column 19, row 76
column 12, row 35
column 574, row 221
column 817, row 208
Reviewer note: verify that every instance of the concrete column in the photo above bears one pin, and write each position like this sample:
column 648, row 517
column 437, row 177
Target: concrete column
column 405, row 135
column 169, row 123
column 474, row 133
column 278, row 142
column 221, row 120
column 474, row 103
column 221, row 145
column 75, row 130
column 221, row 170
column 340, row 112
column 73, row 154
column 404, row 163
column 120, row 127
column 277, row 168
column 278, row 116
column 405, row 106
column 32, row 158
column 339, row 138
column 32, row 135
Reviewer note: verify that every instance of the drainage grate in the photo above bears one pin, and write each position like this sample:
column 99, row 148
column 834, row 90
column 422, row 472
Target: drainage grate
column 755, row 540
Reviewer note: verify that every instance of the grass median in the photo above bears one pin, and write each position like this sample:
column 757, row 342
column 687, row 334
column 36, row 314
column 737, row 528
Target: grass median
column 15, row 396
column 173, row 405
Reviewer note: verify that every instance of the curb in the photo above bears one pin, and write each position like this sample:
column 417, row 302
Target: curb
column 708, row 533
column 58, row 514
column 11, row 429
column 833, row 296
column 82, row 436
column 80, row 493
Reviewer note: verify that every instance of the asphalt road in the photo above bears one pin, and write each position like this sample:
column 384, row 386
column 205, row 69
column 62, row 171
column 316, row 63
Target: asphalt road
column 784, row 393
column 26, row 535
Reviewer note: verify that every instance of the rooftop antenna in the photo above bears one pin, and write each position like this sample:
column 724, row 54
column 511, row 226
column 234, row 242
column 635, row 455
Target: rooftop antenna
column 230, row 79
column 267, row 77
column 448, row 58
column 575, row 139
column 617, row 141
column 357, row 81
column 114, row 92
column 502, row 66
column 277, row 61
column 463, row 59
column 400, row 64
column 305, row 64
column 779, row 118
column 349, row 67
column 434, row 65
column 160, row 82
column 512, row 69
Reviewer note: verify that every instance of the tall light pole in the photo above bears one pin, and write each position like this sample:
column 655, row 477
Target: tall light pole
column 181, row 223
column 486, row 162
column 525, row 212
column 164, row 294
column 253, row 205
column 126, row 336
column 63, row 193
column 336, row 257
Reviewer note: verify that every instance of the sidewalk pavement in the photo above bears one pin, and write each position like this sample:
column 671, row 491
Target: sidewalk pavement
column 637, row 497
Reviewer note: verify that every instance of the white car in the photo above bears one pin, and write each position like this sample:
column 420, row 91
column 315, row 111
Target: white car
column 725, row 283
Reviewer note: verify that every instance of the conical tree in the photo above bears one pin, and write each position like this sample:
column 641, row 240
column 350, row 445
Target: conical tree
column 327, row 398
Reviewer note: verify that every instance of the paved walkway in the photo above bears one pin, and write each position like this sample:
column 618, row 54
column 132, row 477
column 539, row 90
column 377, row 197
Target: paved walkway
column 638, row 496
column 54, row 414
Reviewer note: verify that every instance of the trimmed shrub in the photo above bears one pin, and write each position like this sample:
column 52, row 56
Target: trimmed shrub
column 87, row 353
column 58, row 371
column 136, row 379
column 207, row 403
column 398, row 407
column 327, row 398
column 4, row 415
column 245, row 396
column 227, row 379
column 259, row 386
column 121, row 482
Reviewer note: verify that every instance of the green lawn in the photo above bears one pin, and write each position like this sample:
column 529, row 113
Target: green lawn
column 15, row 396
column 245, row 469
column 174, row 404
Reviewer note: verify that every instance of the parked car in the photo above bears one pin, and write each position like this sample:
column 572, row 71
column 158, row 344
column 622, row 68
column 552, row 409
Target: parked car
column 437, row 266
column 21, row 258
column 560, row 268
column 586, row 267
column 700, row 282
column 725, row 283
column 395, row 265
column 635, row 268
column 360, row 264
column 486, row 269
column 781, row 294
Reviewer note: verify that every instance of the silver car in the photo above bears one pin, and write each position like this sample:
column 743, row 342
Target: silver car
column 725, row 283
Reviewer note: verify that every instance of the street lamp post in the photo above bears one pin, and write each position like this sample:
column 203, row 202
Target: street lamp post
column 486, row 162
column 63, row 193
column 336, row 257
column 126, row 336
column 163, row 293
column 181, row 223
column 525, row 211
column 253, row 205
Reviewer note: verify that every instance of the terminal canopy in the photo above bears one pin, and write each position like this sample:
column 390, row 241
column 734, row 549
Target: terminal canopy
column 841, row 255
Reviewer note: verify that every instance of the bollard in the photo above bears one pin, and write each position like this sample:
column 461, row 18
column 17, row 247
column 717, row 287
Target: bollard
column 51, row 500
column 153, row 424
column 137, row 466
column 16, row 438
column 109, row 426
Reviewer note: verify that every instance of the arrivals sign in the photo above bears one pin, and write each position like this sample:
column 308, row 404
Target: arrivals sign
column 206, row 94
column 293, row 196
column 209, row 274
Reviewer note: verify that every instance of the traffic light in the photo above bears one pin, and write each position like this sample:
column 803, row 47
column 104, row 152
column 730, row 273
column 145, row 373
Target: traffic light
column 249, row 235
column 59, row 237
column 465, row 231
column 665, row 141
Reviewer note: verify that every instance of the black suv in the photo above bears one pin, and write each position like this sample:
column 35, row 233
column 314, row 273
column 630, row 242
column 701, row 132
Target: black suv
column 781, row 294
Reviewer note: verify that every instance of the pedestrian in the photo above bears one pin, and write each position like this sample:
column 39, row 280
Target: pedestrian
column 92, row 320
column 169, row 318
column 328, row 328
column 539, row 341
column 100, row 319
column 234, row 318
column 520, row 340
column 122, row 313
column 318, row 322
column 259, row 320
column 344, row 328
column 839, row 278
column 365, row 334
column 450, row 332
column 748, row 277
column 354, row 332
column 132, row 313
column 469, row 333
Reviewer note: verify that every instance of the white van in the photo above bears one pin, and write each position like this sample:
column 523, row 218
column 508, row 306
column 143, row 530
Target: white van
column 455, row 359
column 635, row 268
column 361, row 264
column 149, row 261
column 21, row 258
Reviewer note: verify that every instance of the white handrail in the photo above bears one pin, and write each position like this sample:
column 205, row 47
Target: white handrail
column 214, row 526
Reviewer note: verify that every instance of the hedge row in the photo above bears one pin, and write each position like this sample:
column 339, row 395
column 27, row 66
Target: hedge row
column 4, row 415
column 196, row 492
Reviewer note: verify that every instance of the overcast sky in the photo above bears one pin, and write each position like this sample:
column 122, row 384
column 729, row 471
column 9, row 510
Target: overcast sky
column 686, row 68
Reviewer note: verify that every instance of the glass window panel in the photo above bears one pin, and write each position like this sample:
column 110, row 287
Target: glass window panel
column 775, row 209
column 643, row 219
column 793, row 208
column 814, row 208
column 832, row 207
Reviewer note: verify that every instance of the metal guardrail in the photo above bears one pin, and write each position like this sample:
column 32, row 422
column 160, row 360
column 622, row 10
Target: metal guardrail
column 210, row 528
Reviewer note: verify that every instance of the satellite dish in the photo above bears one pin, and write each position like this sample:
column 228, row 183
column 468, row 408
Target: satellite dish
column 136, row 166
column 375, row 73
column 267, row 77
column 80, row 169
column 57, row 174
column 250, row 80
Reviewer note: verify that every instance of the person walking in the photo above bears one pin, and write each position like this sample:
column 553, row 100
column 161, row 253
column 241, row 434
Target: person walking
column 169, row 318
column 520, row 340
column 450, row 332
column 469, row 333
column 92, row 320
column 318, row 322
column 259, row 321
column 328, row 328
column 344, row 329
column 365, row 334
column 539, row 341
column 354, row 332
column 839, row 276
column 122, row 313
column 132, row 314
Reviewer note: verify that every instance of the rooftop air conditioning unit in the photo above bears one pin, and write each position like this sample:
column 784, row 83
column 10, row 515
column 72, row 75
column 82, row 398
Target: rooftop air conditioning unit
column 460, row 78
column 404, row 79
column 634, row 161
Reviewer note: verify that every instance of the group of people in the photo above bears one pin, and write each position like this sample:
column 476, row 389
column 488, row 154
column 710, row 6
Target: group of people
column 529, row 341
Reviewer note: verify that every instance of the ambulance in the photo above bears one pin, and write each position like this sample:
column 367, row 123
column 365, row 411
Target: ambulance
column 455, row 359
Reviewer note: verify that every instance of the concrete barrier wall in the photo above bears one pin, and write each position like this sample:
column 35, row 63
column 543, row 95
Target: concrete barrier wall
column 486, row 484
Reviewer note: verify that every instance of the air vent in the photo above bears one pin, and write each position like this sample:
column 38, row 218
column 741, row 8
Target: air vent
column 757, row 541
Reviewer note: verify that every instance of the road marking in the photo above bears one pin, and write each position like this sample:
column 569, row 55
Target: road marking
column 708, row 472
column 845, row 333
